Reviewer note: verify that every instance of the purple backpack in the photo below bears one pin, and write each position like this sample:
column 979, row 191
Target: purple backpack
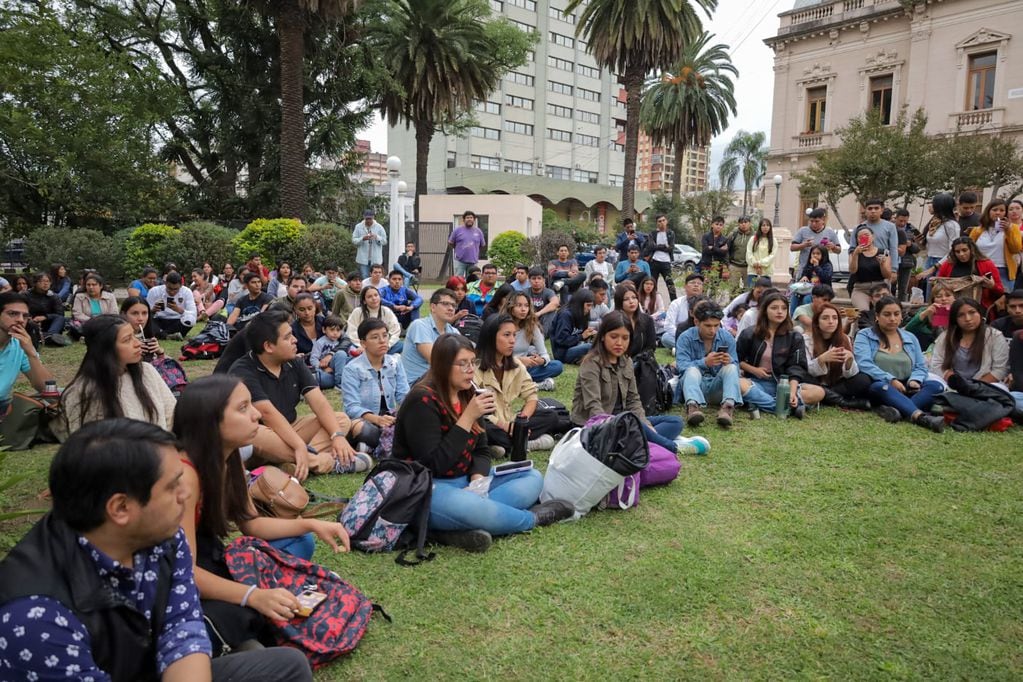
column 663, row 468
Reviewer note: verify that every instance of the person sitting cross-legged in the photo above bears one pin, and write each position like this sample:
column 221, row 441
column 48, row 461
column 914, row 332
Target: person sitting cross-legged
column 374, row 383
column 278, row 381
column 330, row 353
column 92, row 302
column 830, row 361
column 82, row 594
column 403, row 301
column 970, row 347
column 251, row 302
column 530, row 348
column 47, row 310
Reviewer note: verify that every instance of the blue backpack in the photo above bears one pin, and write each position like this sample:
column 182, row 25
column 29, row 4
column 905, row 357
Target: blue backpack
column 391, row 510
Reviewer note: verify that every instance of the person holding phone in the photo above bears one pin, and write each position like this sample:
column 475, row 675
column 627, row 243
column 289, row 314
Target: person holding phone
column 999, row 241
column 830, row 362
column 929, row 321
column 571, row 334
column 868, row 265
column 970, row 347
column 966, row 260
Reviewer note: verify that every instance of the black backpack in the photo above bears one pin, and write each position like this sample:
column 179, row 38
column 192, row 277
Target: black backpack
column 653, row 383
column 209, row 344
column 470, row 327
column 558, row 412
column 391, row 510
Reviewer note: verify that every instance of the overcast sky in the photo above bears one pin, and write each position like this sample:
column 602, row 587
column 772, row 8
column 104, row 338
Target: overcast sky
column 741, row 24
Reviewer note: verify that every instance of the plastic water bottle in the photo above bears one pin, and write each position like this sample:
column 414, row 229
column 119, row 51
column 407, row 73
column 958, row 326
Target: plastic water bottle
column 781, row 399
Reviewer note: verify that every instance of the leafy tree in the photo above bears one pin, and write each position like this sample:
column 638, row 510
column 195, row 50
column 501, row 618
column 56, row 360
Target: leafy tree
column 323, row 243
column 147, row 245
column 688, row 105
column 78, row 249
column 505, row 251
column 196, row 242
column 745, row 155
column 633, row 38
column 442, row 55
column 700, row 208
column 272, row 238
column 961, row 161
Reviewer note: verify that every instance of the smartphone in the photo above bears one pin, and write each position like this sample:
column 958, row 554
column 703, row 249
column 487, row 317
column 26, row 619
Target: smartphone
column 721, row 349
column 513, row 467
column 309, row 600
column 863, row 240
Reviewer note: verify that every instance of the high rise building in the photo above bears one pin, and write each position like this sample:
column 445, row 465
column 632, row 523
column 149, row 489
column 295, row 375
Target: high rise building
column 554, row 129
column 374, row 166
column 655, row 168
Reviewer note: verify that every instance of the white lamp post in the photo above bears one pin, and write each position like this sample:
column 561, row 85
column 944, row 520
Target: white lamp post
column 777, row 193
column 396, row 238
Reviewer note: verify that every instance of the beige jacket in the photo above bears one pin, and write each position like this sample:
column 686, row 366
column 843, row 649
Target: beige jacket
column 995, row 360
column 598, row 387
column 81, row 309
column 517, row 385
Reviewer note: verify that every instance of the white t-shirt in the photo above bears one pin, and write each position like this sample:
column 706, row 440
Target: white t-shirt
column 992, row 245
column 661, row 239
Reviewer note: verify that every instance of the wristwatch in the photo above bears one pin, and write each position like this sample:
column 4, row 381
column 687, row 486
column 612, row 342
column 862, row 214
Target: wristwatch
column 339, row 434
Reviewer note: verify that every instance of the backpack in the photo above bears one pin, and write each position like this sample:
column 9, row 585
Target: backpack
column 172, row 373
column 653, row 383
column 335, row 626
column 208, row 344
column 559, row 411
column 390, row 511
column 470, row 327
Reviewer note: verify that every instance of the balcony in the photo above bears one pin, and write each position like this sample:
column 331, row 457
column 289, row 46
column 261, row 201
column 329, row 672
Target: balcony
column 832, row 13
column 812, row 141
column 976, row 121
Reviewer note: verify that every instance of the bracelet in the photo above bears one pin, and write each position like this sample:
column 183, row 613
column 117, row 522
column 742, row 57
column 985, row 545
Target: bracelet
column 245, row 599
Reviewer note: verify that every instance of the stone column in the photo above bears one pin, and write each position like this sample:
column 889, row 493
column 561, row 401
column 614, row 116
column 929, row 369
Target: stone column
column 782, row 240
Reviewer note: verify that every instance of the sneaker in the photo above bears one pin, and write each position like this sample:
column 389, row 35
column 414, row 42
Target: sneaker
column 888, row 413
column 696, row 445
column 174, row 337
column 552, row 511
column 58, row 340
column 725, row 415
column 497, row 451
column 360, row 464
column 544, row 442
column 931, row 421
column 475, row 541
column 364, row 448
column 694, row 415
column 546, row 385
column 754, row 413
column 799, row 412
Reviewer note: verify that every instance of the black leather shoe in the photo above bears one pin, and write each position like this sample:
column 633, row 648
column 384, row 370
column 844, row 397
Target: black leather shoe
column 888, row 413
column 931, row 421
column 552, row 511
column 475, row 541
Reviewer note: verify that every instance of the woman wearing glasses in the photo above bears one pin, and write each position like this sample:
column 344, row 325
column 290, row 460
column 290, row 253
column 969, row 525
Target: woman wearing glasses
column 440, row 425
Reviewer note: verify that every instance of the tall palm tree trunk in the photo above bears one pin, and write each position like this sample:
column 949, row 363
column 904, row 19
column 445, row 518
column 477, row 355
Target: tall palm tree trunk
column 291, row 30
column 424, row 135
column 633, row 81
column 676, row 179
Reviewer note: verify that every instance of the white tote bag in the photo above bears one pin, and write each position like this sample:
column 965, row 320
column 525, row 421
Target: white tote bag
column 576, row 476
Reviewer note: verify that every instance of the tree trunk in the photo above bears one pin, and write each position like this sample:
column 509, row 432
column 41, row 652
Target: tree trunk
column 291, row 33
column 424, row 135
column 633, row 80
column 676, row 180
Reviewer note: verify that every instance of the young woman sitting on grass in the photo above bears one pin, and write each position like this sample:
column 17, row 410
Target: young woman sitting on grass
column 507, row 378
column 214, row 420
column 135, row 310
column 571, row 332
column 770, row 350
column 644, row 333
column 929, row 322
column 530, row 348
column 308, row 325
column 440, row 425
column 373, row 384
column 830, row 361
column 371, row 306
column 112, row 380
column 607, row 385
column 891, row 357
column 969, row 347
column 91, row 302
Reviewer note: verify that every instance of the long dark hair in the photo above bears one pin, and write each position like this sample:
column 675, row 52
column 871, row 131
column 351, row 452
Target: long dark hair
column 486, row 346
column 975, row 253
column 362, row 301
column 54, row 277
column 647, row 304
column 762, row 328
column 620, row 291
column 150, row 329
column 438, row 377
column 881, row 304
column 954, row 334
column 99, row 375
column 822, row 345
column 944, row 205
column 223, row 495
column 985, row 218
column 580, row 318
column 770, row 235
column 496, row 303
column 615, row 319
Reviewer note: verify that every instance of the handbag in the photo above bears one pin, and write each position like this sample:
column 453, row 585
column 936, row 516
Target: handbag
column 277, row 494
column 962, row 287
column 577, row 477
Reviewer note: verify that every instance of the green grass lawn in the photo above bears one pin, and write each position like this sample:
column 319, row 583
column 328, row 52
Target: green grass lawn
column 837, row 547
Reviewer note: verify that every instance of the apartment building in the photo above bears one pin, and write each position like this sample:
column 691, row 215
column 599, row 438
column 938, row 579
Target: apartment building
column 655, row 168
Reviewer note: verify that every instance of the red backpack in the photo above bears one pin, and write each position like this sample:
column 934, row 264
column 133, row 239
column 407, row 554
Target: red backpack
column 334, row 628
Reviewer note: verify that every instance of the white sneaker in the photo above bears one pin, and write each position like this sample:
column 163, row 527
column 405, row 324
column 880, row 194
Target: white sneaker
column 697, row 445
column 546, row 385
column 544, row 442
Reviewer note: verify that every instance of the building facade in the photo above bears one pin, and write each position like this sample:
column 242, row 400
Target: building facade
column 960, row 60
column 655, row 168
column 374, row 167
column 553, row 129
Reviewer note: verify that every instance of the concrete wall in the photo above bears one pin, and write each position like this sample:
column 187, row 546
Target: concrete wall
column 503, row 212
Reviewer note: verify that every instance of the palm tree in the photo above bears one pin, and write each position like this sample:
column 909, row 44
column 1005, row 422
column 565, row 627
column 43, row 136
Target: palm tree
column 689, row 105
column 441, row 56
column 746, row 154
column 291, row 17
column 633, row 38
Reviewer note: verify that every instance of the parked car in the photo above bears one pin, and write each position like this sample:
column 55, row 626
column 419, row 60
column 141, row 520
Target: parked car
column 685, row 258
column 585, row 254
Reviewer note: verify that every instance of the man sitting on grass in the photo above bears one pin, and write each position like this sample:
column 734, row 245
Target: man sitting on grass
column 173, row 308
column 250, row 303
column 17, row 354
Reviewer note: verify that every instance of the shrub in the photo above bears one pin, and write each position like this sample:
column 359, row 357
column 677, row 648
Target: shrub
column 506, row 251
column 539, row 250
column 323, row 243
column 147, row 245
column 271, row 238
column 201, row 241
column 78, row 249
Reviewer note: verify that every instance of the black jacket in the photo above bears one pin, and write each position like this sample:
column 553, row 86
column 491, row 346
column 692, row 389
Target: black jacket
column 977, row 404
column 788, row 354
column 49, row 562
column 652, row 246
column 43, row 304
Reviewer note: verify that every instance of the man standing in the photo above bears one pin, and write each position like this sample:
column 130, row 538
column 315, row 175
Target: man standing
column 628, row 239
column 422, row 333
column 886, row 237
column 466, row 242
column 737, row 244
column 660, row 248
column 402, row 300
column 813, row 234
column 969, row 218
column 714, row 247
column 102, row 587
column 370, row 238
column 908, row 248
column 481, row 292
column 173, row 308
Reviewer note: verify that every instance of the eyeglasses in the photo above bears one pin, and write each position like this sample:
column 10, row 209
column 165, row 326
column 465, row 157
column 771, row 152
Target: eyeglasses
column 468, row 366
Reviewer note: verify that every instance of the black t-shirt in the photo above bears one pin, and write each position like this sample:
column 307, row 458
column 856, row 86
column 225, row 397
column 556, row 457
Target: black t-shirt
column 869, row 269
column 250, row 307
column 539, row 300
column 283, row 392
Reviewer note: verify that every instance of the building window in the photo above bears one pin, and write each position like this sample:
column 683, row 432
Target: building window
column 980, row 88
column 487, row 107
column 518, row 167
column 487, row 133
column 585, row 176
column 588, row 71
column 520, row 78
column 591, row 95
column 558, row 110
column 524, row 4
column 559, row 135
column 497, row 6
column 587, row 116
column 563, row 40
column 524, row 27
column 816, row 103
column 556, row 63
column 487, row 163
column 452, row 159
column 559, row 172
column 563, row 88
column 520, row 128
column 518, row 102
column 555, row 13
column 881, row 97
column 617, row 147
column 587, row 140
column 616, row 180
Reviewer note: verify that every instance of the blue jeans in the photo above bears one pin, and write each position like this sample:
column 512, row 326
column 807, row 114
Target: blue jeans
column 461, row 267
column 932, row 262
column 699, row 387
column 1007, row 284
column 364, row 269
column 332, row 380
column 54, row 324
column 575, row 354
column 1018, row 396
column 396, row 348
column 503, row 512
column 301, row 546
column 668, row 339
column 667, row 427
column 883, row 393
column 796, row 300
column 762, row 394
column 549, row 371
column 408, row 275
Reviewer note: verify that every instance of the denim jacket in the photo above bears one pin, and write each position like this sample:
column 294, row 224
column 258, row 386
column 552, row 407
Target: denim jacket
column 361, row 390
column 690, row 351
column 866, row 346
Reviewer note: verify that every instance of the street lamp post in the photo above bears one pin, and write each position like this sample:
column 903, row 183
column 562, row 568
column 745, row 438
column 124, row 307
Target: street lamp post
column 396, row 238
column 777, row 194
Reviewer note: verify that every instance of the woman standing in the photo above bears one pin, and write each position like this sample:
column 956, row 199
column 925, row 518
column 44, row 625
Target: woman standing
column 998, row 240
column 760, row 252
column 966, row 260
column 644, row 334
column 830, row 361
column 891, row 357
column 440, row 426
column 869, row 265
column 970, row 348
column 940, row 234
column 370, row 306
column 530, row 348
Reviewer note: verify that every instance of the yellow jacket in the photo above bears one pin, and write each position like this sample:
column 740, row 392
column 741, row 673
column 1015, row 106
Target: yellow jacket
column 1013, row 245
